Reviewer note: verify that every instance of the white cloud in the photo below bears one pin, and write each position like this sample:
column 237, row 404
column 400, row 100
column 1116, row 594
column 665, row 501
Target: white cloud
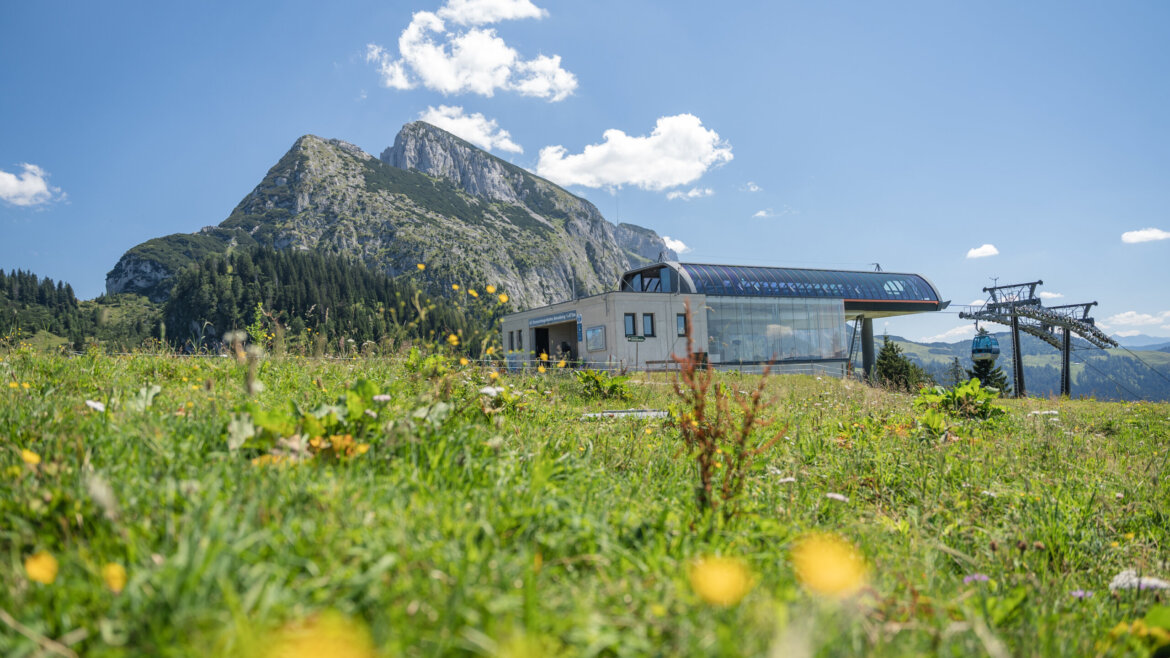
column 475, row 128
column 1127, row 334
column 474, row 60
column 480, row 12
column 1135, row 319
column 768, row 213
column 982, row 252
column 693, row 193
column 676, row 246
column 750, row 187
column 978, row 302
column 1144, row 235
column 1050, row 295
column 678, row 151
column 951, row 335
column 29, row 188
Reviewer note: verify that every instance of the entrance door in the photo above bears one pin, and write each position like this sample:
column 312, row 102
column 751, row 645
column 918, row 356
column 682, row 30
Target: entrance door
column 540, row 341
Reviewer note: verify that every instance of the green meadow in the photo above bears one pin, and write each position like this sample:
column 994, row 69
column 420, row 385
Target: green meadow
column 412, row 506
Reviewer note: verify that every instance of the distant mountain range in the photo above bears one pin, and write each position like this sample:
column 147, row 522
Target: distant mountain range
column 1143, row 341
column 432, row 198
column 1138, row 373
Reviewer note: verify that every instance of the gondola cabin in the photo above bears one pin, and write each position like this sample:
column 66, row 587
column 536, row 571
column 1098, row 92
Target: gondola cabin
column 984, row 347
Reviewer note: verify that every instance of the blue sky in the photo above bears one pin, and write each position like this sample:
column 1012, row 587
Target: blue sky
column 827, row 134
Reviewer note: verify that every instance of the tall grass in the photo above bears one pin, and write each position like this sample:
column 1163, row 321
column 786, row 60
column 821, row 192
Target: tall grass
column 476, row 526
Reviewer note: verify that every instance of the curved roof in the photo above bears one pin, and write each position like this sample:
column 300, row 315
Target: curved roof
column 894, row 292
column 744, row 281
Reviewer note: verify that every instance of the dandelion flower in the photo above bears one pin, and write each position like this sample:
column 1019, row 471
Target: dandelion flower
column 13, row 385
column 561, row 363
column 453, row 340
column 454, row 286
column 463, row 361
column 491, row 351
column 31, row 458
column 540, row 369
column 493, row 374
column 328, row 634
column 544, row 356
column 720, row 580
column 114, row 575
column 491, row 290
column 472, row 292
column 25, row 385
column 503, row 298
column 421, row 267
column 41, row 567
column 828, row 565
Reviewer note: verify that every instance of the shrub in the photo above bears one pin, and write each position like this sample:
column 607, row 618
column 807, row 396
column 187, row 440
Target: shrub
column 602, row 385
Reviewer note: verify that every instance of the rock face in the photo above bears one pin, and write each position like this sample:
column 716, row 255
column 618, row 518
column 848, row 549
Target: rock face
column 470, row 217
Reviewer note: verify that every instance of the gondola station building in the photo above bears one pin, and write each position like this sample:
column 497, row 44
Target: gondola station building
column 741, row 318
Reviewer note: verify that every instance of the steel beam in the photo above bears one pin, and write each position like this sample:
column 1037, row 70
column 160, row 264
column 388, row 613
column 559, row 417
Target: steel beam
column 867, row 360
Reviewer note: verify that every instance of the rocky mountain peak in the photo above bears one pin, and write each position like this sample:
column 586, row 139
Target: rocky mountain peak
column 438, row 153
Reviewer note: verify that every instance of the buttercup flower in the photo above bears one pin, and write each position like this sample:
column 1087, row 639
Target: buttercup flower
column 421, row 267
column 720, row 580
column 828, row 565
column 503, row 298
column 453, row 340
column 491, row 290
column 31, row 458
column 41, row 567
column 114, row 575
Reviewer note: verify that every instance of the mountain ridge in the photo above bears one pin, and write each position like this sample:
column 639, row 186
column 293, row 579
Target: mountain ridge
column 466, row 215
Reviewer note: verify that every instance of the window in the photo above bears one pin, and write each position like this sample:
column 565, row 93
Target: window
column 680, row 322
column 631, row 328
column 647, row 324
column 511, row 341
column 520, row 340
column 595, row 338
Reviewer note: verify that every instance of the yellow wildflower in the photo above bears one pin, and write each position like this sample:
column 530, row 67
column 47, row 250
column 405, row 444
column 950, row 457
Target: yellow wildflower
column 561, row 363
column 454, row 286
column 491, row 290
column 421, row 267
column 540, row 369
column 494, row 374
column 503, row 298
column 472, row 292
column 362, row 448
column 649, row 430
column 543, row 356
column 1129, row 535
column 828, row 565
column 463, row 361
column 41, row 567
column 453, row 340
column 491, row 351
column 115, row 576
column 13, row 385
column 31, row 458
column 328, row 634
column 720, row 580
column 25, row 385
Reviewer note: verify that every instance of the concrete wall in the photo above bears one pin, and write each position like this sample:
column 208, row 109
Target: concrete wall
column 608, row 311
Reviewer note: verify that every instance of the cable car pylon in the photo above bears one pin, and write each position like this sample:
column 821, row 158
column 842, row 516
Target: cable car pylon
column 1017, row 306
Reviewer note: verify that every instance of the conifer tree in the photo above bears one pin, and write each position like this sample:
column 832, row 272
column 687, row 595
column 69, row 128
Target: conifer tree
column 990, row 376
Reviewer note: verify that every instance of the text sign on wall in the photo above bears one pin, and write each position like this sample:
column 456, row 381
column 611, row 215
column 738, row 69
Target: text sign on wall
column 564, row 316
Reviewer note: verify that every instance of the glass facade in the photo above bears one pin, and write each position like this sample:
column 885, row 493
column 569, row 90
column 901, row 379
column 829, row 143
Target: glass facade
column 759, row 330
